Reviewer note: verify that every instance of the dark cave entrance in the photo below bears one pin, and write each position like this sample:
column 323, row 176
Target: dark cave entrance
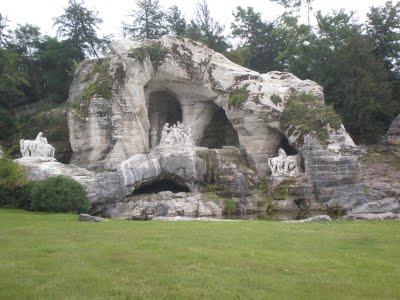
column 285, row 145
column 161, row 186
column 164, row 107
column 219, row 132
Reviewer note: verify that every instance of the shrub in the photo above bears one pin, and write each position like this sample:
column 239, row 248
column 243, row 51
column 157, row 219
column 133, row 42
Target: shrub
column 7, row 124
column 309, row 114
column 276, row 99
column 59, row 194
column 12, row 178
column 229, row 207
column 238, row 96
column 157, row 54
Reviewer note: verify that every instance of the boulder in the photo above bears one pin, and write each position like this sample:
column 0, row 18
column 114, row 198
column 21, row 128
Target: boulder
column 376, row 207
column 89, row 218
column 372, row 217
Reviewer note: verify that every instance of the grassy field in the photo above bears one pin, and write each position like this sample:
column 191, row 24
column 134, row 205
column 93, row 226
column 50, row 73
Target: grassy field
column 54, row 256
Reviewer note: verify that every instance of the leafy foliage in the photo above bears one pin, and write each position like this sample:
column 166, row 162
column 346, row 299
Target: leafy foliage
column 238, row 97
column 59, row 194
column 206, row 30
column 157, row 54
column 176, row 22
column 310, row 115
column 148, row 20
column 12, row 178
column 79, row 25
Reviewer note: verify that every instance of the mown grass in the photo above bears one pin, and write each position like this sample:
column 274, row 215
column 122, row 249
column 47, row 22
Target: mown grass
column 53, row 256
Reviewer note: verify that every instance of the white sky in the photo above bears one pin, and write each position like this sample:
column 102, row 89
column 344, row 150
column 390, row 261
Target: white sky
column 113, row 12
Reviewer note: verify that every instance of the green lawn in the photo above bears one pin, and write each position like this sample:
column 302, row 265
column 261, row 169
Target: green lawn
column 54, row 256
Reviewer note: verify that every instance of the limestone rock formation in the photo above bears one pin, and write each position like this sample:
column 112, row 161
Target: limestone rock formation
column 172, row 112
column 393, row 134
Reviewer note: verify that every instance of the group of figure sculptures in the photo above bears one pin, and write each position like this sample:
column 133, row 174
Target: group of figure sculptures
column 284, row 165
column 177, row 135
column 36, row 148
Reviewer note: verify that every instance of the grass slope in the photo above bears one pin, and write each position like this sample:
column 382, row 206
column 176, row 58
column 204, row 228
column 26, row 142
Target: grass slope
column 54, row 256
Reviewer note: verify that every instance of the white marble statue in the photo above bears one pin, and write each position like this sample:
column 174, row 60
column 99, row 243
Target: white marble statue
column 178, row 135
column 284, row 165
column 37, row 148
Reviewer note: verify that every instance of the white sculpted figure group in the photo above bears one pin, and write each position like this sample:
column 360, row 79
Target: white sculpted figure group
column 178, row 135
column 284, row 165
column 37, row 148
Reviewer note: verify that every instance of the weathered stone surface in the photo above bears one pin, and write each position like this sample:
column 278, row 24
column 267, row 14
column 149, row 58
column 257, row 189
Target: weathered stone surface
column 164, row 204
column 285, row 205
column 108, row 129
column 347, row 197
column 372, row 217
column 89, row 218
column 393, row 134
column 376, row 207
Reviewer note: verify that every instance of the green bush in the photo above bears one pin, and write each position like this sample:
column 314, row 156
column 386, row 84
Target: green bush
column 12, row 178
column 230, row 207
column 238, row 97
column 309, row 114
column 59, row 194
column 23, row 197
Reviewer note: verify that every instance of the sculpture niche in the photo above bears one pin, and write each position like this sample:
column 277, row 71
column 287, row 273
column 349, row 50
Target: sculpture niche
column 178, row 135
column 37, row 148
column 284, row 165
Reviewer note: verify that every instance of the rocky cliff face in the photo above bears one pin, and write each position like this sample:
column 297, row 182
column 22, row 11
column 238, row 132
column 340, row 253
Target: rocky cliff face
column 119, row 100
column 120, row 106
column 393, row 134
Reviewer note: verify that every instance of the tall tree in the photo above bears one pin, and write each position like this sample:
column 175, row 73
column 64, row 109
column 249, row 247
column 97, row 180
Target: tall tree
column 297, row 4
column 259, row 37
column 79, row 25
column 148, row 21
column 383, row 26
column 26, row 41
column 176, row 22
column 4, row 36
column 206, row 30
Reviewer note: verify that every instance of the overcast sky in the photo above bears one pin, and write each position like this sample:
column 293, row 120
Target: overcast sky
column 113, row 12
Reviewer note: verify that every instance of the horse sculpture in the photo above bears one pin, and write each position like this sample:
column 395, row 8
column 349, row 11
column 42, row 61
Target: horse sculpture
column 36, row 148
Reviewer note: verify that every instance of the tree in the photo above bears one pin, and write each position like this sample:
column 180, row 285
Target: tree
column 206, row 30
column 383, row 26
column 176, row 22
column 3, row 33
column 296, row 4
column 148, row 21
column 57, row 65
column 259, row 37
column 78, row 25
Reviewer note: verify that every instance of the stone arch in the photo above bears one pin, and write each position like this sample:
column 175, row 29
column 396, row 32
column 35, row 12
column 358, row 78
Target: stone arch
column 220, row 131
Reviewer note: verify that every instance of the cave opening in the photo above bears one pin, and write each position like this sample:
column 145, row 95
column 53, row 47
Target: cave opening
column 164, row 107
column 161, row 186
column 219, row 132
column 285, row 145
